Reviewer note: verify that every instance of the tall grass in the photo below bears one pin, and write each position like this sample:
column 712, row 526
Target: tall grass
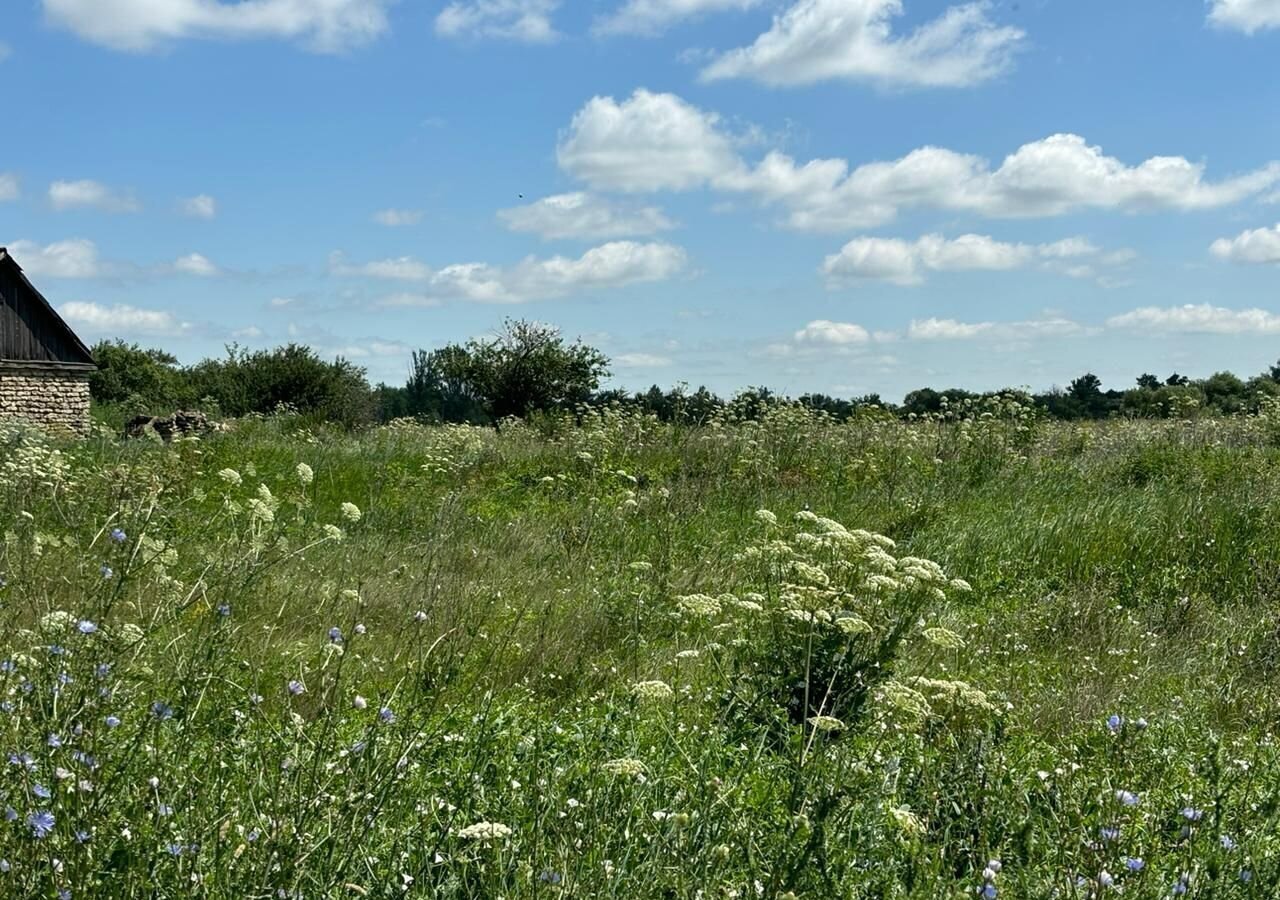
column 977, row 654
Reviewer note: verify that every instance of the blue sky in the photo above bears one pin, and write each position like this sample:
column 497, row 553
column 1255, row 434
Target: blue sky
column 835, row 195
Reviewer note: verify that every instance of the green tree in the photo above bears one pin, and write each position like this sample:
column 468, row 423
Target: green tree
column 137, row 380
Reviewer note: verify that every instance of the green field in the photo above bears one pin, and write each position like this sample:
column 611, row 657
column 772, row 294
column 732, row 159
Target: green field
column 620, row 658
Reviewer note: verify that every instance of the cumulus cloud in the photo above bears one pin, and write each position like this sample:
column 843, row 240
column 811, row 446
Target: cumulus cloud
column 75, row 258
column 825, row 332
column 1261, row 245
column 612, row 265
column 648, row 142
column 195, row 264
column 1248, row 16
column 585, row 216
column 123, row 320
column 201, row 206
column 934, row 329
column 654, row 142
column 1201, row 318
column 397, row 218
column 819, row 40
column 906, row 262
column 527, row 21
column 88, row 194
column 143, row 25
column 10, row 187
column 651, row 17
column 641, row 361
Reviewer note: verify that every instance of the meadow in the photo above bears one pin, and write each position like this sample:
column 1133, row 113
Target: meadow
column 977, row 654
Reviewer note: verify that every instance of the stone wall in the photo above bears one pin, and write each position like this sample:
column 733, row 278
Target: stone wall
column 47, row 397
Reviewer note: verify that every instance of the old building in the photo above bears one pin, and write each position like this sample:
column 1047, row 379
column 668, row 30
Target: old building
column 44, row 367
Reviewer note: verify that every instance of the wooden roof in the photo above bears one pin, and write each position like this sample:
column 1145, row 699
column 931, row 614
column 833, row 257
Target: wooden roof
column 31, row 331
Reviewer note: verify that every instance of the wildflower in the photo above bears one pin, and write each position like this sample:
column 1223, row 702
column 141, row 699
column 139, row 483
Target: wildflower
column 826, row 723
column 359, row 702
column 161, row 710
column 420, row 617
column 41, row 823
column 386, row 716
column 224, row 610
column 1127, row 798
column 854, row 625
column 53, row 740
column 351, row 512
column 230, row 476
column 305, row 474
column 333, row 533
column 766, row 517
column 118, row 535
column 1134, row 863
column 944, row 638
column 1181, row 886
column 1226, row 842
column 652, row 690
column 625, row 766
column 335, row 635
column 82, row 836
column 1191, row 814
column 549, row 877
column 84, row 626
column 1109, row 833
column 1114, row 723
column 485, row 831
column 360, row 629
column 102, row 670
column 296, row 688
column 107, row 572
column 41, row 791
column 698, row 605
column 1105, row 879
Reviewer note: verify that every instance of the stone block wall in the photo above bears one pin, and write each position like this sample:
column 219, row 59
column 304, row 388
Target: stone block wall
column 47, row 397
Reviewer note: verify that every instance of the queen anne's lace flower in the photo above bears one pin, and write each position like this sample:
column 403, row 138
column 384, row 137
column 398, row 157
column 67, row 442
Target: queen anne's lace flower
column 485, row 831
column 625, row 766
column 652, row 690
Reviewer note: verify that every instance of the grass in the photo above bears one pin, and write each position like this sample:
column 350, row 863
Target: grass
column 579, row 661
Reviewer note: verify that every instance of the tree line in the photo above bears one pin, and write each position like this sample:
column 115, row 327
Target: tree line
column 528, row 368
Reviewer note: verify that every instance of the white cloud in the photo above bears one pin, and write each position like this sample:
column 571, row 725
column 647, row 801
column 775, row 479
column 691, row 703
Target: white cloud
column 587, row 216
column 641, row 361
column 201, row 206
column 248, row 333
column 281, row 302
column 64, row 195
column 407, row 298
column 649, row 142
column 825, row 332
column 1261, row 245
column 142, row 25
column 817, row 40
column 402, row 268
column 75, row 258
column 528, row 21
column 653, row 142
column 610, row 265
column 933, row 329
column 1198, row 319
column 10, row 187
column 195, row 264
column 651, row 17
column 122, row 319
column 397, row 218
column 1245, row 15
column 905, row 262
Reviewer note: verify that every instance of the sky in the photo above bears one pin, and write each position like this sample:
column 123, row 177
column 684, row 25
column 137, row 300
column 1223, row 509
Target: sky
column 845, row 196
